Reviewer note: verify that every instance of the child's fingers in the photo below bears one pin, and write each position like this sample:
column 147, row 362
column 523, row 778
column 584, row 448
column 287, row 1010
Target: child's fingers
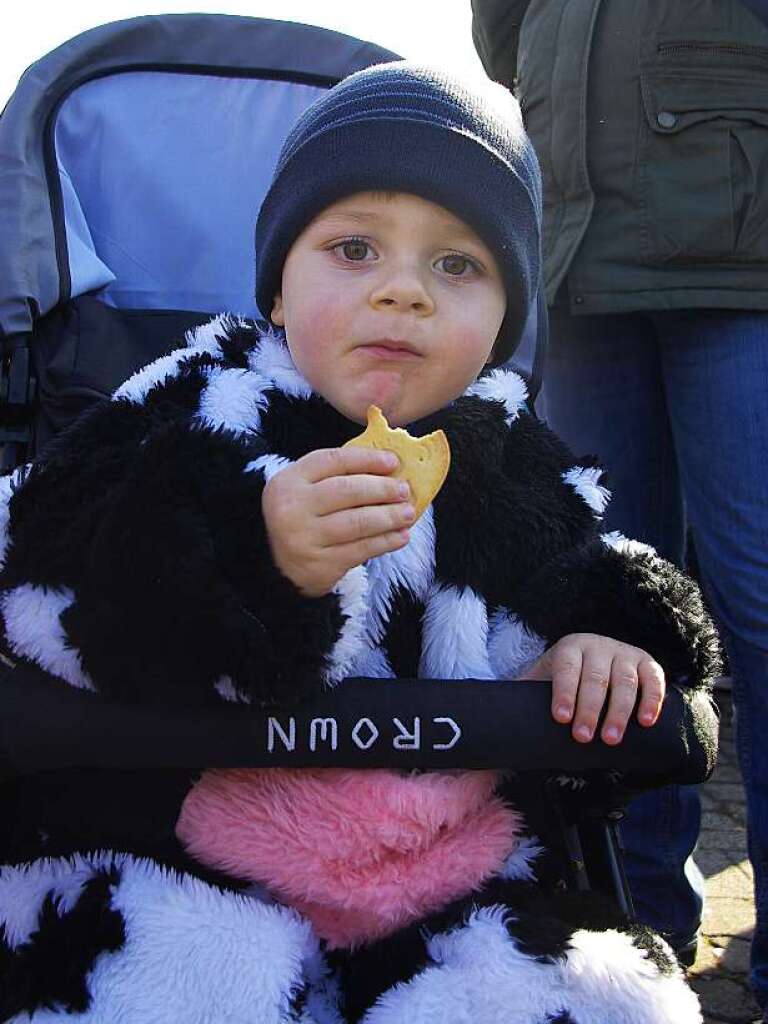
column 595, row 677
column 621, row 703
column 540, row 669
column 565, row 663
column 354, row 490
column 359, row 524
column 328, row 462
column 652, row 688
column 361, row 551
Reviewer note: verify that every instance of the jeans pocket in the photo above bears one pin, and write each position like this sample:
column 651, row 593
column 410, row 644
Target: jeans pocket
column 703, row 157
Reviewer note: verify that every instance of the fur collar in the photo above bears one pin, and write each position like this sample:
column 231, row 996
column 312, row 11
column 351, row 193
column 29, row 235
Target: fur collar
column 267, row 355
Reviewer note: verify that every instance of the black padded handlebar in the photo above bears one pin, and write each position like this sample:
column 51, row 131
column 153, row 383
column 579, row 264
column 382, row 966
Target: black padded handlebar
column 371, row 723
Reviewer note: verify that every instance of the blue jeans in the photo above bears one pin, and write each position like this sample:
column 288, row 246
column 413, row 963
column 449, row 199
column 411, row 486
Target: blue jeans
column 675, row 405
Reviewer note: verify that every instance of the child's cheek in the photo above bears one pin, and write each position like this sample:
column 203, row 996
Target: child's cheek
column 317, row 337
column 325, row 319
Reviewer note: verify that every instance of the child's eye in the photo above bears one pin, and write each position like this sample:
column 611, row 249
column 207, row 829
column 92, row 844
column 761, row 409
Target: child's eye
column 457, row 265
column 354, row 249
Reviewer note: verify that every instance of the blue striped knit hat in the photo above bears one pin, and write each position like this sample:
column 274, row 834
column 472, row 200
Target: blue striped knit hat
column 403, row 127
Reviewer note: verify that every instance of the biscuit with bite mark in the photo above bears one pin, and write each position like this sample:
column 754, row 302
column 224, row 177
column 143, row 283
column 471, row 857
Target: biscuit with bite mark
column 424, row 461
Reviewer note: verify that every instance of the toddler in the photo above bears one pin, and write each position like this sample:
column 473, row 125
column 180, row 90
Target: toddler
column 204, row 537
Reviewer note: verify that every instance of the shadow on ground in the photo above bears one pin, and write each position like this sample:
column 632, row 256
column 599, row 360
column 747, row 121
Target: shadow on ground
column 721, row 970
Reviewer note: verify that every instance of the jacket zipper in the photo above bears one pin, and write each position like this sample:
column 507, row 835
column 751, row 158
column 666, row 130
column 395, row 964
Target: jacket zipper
column 726, row 49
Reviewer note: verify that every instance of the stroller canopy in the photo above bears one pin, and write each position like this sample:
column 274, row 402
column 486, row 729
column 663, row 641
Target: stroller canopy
column 112, row 145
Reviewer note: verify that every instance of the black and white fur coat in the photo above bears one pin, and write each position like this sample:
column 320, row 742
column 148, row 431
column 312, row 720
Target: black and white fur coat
column 136, row 564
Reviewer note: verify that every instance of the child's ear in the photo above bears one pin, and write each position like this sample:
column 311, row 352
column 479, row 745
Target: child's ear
column 277, row 316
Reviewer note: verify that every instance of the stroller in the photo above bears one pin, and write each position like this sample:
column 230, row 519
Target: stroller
column 121, row 153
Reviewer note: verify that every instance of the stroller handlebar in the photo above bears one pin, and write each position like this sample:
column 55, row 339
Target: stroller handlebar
column 362, row 723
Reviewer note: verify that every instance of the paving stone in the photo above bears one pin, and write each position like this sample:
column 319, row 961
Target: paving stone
column 721, row 969
column 710, row 957
column 717, row 820
column 712, row 862
column 728, row 916
column 727, row 805
column 727, row 772
column 725, row 1000
column 721, row 816
column 730, row 882
column 724, row 792
column 737, row 814
column 709, row 801
column 722, row 956
column 733, row 840
column 730, row 955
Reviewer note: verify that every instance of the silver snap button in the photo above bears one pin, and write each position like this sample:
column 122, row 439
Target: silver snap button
column 666, row 119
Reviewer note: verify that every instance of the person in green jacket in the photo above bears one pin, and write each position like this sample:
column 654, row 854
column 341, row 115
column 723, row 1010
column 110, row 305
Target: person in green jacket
column 650, row 122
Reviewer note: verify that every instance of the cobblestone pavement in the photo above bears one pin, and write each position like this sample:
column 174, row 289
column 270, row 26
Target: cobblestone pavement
column 720, row 972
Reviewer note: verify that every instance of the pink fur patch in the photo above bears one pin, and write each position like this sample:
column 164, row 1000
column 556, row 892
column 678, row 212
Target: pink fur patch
column 360, row 853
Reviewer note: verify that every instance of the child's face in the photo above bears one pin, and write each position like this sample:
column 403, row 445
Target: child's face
column 389, row 300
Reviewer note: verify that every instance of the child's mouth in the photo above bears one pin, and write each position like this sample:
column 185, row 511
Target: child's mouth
column 385, row 349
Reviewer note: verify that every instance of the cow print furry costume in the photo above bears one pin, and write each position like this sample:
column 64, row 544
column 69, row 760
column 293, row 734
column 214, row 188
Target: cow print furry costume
column 136, row 565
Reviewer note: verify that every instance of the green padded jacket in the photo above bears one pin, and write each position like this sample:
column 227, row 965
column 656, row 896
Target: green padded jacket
column 650, row 120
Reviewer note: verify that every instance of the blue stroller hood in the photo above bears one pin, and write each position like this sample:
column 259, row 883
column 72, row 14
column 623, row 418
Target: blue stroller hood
column 133, row 160
column 174, row 96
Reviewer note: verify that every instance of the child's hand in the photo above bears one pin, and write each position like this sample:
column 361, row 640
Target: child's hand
column 584, row 669
column 333, row 509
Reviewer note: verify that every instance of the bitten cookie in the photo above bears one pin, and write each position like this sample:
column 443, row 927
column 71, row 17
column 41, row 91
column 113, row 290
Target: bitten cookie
column 424, row 461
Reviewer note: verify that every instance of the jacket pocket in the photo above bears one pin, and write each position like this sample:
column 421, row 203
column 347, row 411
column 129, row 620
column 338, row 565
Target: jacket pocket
column 704, row 154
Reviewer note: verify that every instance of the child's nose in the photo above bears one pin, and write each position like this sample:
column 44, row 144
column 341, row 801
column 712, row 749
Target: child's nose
column 404, row 290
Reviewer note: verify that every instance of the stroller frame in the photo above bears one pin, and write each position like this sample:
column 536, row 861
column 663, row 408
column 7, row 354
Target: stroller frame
column 40, row 299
